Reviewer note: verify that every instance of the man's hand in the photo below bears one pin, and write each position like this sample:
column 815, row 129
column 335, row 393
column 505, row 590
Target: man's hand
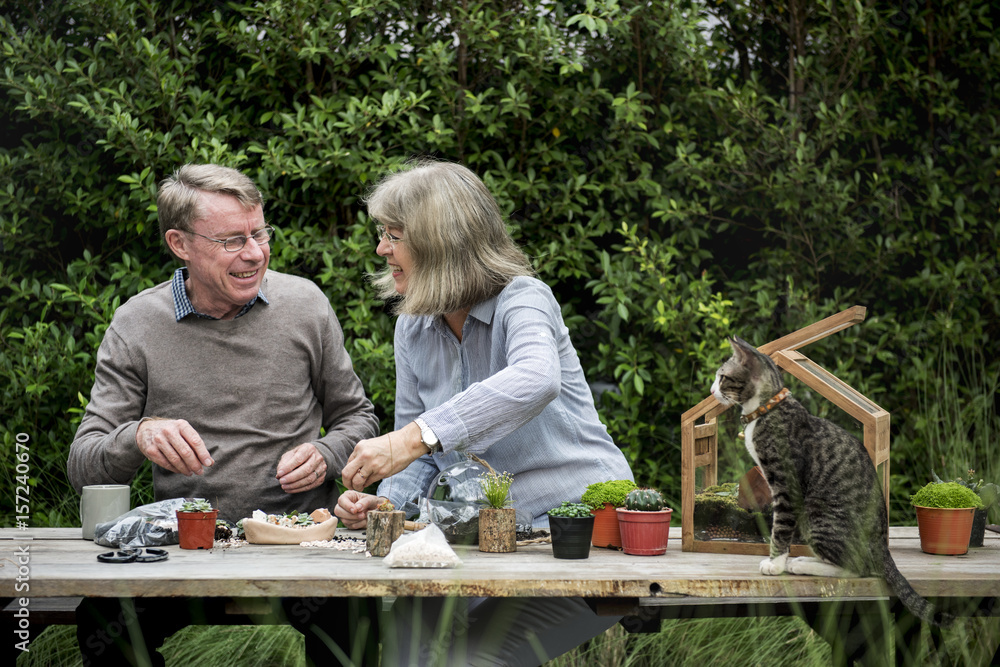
column 381, row 457
column 301, row 469
column 173, row 444
column 353, row 508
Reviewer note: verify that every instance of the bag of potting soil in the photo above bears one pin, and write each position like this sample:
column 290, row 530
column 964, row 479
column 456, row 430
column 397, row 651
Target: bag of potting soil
column 151, row 525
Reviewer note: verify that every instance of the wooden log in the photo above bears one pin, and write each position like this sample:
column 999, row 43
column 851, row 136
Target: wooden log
column 384, row 528
column 497, row 530
column 754, row 493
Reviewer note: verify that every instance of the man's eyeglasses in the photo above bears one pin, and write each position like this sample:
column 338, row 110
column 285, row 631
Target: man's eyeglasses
column 383, row 234
column 237, row 243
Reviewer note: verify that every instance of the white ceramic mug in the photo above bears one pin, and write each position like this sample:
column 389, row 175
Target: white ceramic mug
column 100, row 503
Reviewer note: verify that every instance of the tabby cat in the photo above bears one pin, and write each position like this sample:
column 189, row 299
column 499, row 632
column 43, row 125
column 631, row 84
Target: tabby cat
column 822, row 482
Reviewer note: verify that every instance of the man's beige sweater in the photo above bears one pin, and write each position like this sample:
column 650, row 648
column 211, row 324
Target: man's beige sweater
column 253, row 387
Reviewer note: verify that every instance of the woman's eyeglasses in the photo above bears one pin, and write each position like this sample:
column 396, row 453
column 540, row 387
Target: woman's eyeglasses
column 383, row 234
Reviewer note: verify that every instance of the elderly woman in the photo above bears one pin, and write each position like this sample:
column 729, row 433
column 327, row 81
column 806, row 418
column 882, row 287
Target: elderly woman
column 484, row 365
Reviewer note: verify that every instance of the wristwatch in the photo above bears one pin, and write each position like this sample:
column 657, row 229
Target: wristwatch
column 427, row 436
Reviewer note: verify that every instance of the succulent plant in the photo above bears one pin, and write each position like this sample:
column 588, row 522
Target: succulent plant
column 571, row 510
column 196, row 505
column 645, row 500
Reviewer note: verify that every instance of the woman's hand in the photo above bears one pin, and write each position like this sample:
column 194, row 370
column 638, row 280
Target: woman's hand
column 353, row 508
column 377, row 458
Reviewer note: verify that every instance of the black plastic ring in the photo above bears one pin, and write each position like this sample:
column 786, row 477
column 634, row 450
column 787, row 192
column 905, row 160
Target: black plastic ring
column 152, row 556
column 126, row 556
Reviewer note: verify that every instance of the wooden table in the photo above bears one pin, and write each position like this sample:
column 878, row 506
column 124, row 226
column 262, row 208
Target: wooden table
column 644, row 589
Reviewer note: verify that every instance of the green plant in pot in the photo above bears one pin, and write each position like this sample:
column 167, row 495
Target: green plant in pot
column 196, row 524
column 945, row 512
column 604, row 498
column 497, row 521
column 989, row 494
column 571, row 526
column 644, row 522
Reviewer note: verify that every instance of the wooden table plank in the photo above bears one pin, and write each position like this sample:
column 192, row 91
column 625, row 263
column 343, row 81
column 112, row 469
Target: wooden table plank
column 62, row 564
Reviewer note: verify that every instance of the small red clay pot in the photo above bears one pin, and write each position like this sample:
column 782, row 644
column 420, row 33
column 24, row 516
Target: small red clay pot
column 644, row 533
column 196, row 530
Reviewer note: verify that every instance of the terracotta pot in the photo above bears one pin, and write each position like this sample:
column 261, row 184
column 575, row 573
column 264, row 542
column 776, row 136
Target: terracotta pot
column 196, row 530
column 944, row 531
column 606, row 533
column 571, row 536
column 978, row 528
column 644, row 533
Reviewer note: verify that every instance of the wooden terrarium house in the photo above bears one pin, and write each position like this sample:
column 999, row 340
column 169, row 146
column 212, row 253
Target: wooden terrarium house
column 724, row 518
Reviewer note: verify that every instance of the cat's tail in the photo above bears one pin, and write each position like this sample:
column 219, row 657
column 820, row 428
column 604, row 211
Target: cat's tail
column 918, row 605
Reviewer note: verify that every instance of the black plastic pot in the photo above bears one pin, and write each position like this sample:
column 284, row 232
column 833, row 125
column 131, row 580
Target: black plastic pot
column 571, row 536
column 978, row 528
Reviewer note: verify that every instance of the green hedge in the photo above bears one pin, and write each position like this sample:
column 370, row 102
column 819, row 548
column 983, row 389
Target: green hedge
column 679, row 171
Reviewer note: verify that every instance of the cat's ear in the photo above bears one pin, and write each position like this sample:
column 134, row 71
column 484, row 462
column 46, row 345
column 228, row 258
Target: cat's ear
column 742, row 350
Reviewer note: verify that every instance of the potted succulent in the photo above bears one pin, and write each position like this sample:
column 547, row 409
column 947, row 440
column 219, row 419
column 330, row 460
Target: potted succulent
column 571, row 526
column 196, row 524
column 944, row 517
column 384, row 527
column 644, row 523
column 497, row 522
column 603, row 498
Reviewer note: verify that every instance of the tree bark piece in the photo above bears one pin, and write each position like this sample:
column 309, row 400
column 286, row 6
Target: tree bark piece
column 754, row 493
column 384, row 528
column 497, row 530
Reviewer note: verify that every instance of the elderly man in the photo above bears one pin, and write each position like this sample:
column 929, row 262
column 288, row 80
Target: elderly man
column 232, row 379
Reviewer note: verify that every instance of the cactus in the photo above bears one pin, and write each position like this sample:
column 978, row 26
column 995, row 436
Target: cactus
column 645, row 500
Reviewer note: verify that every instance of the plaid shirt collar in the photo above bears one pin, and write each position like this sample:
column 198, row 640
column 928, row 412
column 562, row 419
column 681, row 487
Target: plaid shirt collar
column 183, row 306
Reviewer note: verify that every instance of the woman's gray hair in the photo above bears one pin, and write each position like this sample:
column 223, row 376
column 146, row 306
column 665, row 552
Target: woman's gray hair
column 455, row 233
column 178, row 202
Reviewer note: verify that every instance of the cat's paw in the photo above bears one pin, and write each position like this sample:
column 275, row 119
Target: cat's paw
column 816, row 567
column 773, row 566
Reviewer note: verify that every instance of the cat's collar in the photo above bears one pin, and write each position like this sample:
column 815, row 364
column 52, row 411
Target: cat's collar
column 767, row 407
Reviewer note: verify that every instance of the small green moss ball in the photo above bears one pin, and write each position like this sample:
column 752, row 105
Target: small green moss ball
column 949, row 495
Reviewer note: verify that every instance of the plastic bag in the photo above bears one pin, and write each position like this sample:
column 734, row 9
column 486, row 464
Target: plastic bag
column 427, row 547
column 458, row 522
column 458, row 514
column 150, row 525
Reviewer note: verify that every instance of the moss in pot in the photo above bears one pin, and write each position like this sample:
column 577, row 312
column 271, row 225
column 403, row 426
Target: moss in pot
column 944, row 517
column 604, row 498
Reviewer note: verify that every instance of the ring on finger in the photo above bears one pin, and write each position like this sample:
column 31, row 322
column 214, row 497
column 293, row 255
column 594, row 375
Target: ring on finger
column 317, row 473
